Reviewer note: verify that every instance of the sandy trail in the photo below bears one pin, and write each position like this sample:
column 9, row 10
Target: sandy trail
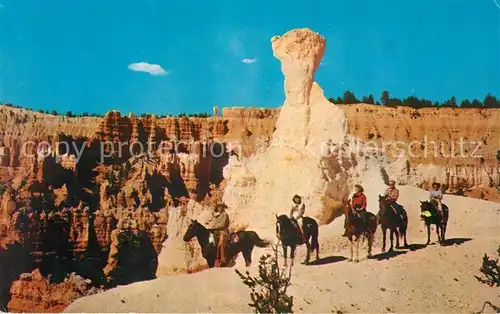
column 423, row 279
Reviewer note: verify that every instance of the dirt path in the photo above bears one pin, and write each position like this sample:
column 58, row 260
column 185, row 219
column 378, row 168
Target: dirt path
column 422, row 279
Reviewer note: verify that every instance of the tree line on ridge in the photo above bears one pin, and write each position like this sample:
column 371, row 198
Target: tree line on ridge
column 348, row 97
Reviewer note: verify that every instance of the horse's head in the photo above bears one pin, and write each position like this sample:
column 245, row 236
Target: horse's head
column 282, row 219
column 425, row 206
column 382, row 200
column 382, row 203
column 282, row 222
column 349, row 211
column 192, row 230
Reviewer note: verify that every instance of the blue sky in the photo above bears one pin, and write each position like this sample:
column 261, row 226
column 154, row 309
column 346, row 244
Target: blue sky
column 77, row 55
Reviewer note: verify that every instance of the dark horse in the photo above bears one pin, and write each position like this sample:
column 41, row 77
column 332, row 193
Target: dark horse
column 356, row 229
column 241, row 241
column 388, row 219
column 434, row 219
column 289, row 236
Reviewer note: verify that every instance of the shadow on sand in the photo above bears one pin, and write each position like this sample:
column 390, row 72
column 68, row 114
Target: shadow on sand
column 455, row 241
column 327, row 260
column 387, row 255
column 416, row 246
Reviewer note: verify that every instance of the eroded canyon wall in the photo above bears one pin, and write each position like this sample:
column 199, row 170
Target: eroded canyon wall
column 457, row 147
column 250, row 129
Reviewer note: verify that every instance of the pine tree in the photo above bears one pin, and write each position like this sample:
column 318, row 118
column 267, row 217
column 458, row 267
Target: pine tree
column 491, row 102
column 368, row 99
column 465, row 104
column 384, row 98
column 350, row 98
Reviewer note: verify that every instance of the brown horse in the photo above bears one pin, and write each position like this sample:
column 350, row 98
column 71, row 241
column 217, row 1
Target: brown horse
column 356, row 229
column 388, row 219
column 241, row 241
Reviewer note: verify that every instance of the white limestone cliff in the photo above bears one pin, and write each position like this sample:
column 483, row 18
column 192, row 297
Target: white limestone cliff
column 310, row 153
column 178, row 256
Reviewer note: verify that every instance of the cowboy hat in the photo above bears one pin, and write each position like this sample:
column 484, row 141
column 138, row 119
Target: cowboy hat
column 221, row 205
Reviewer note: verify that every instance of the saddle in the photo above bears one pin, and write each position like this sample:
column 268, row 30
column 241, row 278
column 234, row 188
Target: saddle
column 357, row 220
column 356, row 213
column 214, row 238
column 356, row 224
column 396, row 208
column 300, row 238
column 233, row 237
column 438, row 213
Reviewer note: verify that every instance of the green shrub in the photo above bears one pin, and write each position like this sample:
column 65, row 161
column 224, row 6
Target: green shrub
column 490, row 271
column 268, row 291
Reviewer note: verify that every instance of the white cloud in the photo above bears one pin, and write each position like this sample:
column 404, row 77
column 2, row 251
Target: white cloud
column 248, row 60
column 153, row 69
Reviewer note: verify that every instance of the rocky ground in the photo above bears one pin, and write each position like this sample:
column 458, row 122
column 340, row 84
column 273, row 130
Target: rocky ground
column 420, row 279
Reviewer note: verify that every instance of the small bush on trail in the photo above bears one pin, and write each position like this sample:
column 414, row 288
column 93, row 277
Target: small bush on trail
column 269, row 288
column 490, row 270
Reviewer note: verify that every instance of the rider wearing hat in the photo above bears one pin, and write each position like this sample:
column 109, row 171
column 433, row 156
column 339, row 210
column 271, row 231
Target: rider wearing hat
column 436, row 196
column 219, row 224
column 392, row 195
column 358, row 203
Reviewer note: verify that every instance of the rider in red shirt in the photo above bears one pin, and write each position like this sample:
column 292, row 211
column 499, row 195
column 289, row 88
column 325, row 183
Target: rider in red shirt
column 359, row 199
column 358, row 203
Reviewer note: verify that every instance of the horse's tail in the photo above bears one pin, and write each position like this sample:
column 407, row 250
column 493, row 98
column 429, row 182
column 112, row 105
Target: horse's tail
column 404, row 224
column 314, row 231
column 314, row 242
column 261, row 242
column 446, row 214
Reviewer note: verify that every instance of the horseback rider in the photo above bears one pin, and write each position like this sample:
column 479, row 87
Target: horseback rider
column 297, row 213
column 436, row 196
column 392, row 195
column 358, row 203
column 219, row 225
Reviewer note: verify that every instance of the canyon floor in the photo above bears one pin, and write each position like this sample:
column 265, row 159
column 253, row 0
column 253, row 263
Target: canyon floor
column 434, row 278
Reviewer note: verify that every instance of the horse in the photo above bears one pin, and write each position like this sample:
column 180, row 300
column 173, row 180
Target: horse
column 434, row 219
column 241, row 241
column 356, row 229
column 388, row 219
column 289, row 236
